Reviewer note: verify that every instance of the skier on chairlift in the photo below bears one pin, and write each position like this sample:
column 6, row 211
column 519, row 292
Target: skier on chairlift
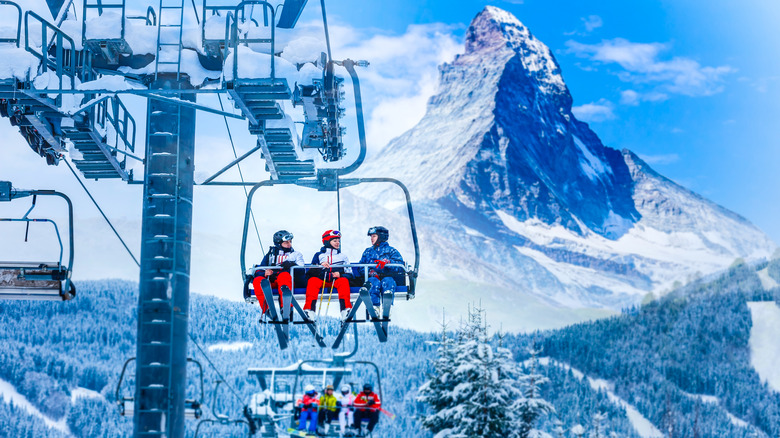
column 367, row 406
column 309, row 405
column 281, row 254
column 382, row 278
column 346, row 403
column 330, row 276
column 328, row 408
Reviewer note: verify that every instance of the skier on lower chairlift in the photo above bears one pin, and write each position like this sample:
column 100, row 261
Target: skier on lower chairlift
column 367, row 406
column 330, row 276
column 309, row 405
column 381, row 278
column 281, row 254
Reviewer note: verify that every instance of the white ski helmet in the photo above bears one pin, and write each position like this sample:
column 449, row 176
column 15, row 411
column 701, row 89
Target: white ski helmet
column 308, row 389
column 345, row 388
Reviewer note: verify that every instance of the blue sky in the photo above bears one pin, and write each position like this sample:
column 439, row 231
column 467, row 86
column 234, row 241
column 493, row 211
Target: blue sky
column 691, row 86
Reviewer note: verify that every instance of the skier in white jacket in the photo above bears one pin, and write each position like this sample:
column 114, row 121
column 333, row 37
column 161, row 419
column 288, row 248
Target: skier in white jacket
column 346, row 402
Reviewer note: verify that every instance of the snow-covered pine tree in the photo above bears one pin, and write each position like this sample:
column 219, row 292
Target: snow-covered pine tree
column 477, row 394
column 437, row 390
column 578, row 431
column 531, row 406
column 599, row 429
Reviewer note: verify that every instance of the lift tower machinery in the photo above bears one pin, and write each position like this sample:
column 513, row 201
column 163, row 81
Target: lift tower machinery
column 64, row 95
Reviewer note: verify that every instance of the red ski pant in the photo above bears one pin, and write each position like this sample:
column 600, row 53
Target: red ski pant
column 283, row 279
column 316, row 285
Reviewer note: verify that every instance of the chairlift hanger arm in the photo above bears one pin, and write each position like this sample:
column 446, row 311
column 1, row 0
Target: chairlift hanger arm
column 121, row 378
column 16, row 194
column 343, row 183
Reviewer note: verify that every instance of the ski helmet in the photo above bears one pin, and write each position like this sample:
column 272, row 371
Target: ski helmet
column 382, row 233
column 368, row 387
column 330, row 235
column 309, row 389
column 345, row 389
column 282, row 236
column 329, row 387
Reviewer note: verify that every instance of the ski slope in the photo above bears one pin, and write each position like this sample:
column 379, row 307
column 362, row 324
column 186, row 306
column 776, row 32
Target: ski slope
column 642, row 425
column 764, row 348
column 9, row 394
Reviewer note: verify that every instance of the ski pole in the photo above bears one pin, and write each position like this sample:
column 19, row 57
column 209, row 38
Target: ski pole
column 330, row 294
column 322, row 292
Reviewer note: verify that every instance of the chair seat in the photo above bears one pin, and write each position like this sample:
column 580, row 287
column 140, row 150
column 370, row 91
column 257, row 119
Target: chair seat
column 400, row 293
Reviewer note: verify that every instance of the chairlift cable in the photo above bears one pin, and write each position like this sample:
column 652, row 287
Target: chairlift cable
column 338, row 201
column 240, row 173
column 101, row 211
column 215, row 368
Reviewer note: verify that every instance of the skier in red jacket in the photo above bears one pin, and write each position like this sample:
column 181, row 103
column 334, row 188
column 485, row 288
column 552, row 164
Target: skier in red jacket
column 309, row 405
column 367, row 406
column 330, row 276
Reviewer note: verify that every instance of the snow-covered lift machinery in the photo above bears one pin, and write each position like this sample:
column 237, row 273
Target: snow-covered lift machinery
column 37, row 280
column 63, row 95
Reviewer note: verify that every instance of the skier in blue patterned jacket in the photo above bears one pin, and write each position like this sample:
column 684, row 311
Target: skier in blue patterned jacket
column 382, row 278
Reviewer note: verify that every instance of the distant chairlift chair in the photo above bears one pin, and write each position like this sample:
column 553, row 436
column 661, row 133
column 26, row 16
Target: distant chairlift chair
column 47, row 280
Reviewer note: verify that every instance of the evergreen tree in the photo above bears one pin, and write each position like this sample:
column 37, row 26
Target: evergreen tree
column 531, row 406
column 475, row 389
column 437, row 391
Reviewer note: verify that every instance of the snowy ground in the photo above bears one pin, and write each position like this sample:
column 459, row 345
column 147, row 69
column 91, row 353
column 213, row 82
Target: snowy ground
column 83, row 393
column 642, row 425
column 230, row 346
column 711, row 399
column 767, row 282
column 764, row 348
column 9, row 394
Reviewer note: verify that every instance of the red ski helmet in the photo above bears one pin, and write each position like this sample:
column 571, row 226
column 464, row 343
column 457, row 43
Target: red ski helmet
column 329, row 235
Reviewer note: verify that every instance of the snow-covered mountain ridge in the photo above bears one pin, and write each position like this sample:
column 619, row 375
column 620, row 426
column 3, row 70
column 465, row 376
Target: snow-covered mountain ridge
column 510, row 187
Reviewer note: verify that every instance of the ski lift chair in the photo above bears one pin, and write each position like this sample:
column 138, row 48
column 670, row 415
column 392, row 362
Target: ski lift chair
column 359, row 295
column 224, row 419
column 38, row 280
column 301, row 372
column 193, row 408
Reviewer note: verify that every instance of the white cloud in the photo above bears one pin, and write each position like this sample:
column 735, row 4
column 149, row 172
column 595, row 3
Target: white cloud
column 595, row 111
column 592, row 22
column 633, row 98
column 660, row 159
column 642, row 64
column 589, row 23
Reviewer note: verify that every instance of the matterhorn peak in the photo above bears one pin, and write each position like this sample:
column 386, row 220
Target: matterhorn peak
column 495, row 30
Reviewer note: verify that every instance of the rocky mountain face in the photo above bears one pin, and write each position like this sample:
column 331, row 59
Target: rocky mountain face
column 510, row 188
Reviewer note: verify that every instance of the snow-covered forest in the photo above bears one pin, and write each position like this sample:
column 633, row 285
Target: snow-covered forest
column 682, row 362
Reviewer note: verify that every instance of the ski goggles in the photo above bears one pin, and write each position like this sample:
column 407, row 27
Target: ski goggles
column 331, row 234
column 286, row 237
column 373, row 230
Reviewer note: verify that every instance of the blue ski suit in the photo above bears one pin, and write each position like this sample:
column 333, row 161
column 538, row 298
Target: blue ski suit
column 387, row 278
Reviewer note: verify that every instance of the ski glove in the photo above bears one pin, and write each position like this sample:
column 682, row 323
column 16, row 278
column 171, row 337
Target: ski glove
column 286, row 265
column 380, row 264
